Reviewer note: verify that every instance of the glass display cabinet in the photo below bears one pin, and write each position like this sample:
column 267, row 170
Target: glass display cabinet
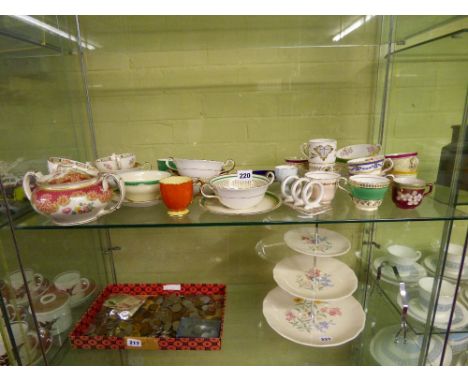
column 341, row 287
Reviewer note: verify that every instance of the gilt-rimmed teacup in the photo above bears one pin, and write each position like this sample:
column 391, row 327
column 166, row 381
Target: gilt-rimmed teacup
column 404, row 164
column 320, row 151
column 374, row 165
column 366, row 191
column 329, row 181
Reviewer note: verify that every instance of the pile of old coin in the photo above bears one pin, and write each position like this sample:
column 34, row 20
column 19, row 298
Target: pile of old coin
column 159, row 316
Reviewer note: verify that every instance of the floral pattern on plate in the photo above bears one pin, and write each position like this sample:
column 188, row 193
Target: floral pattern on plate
column 321, row 242
column 301, row 316
column 314, row 278
column 317, row 242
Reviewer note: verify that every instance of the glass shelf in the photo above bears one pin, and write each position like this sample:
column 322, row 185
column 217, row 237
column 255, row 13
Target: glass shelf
column 343, row 211
column 244, row 328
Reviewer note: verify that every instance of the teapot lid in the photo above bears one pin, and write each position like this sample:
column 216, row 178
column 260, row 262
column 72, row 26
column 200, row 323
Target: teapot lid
column 67, row 179
column 50, row 301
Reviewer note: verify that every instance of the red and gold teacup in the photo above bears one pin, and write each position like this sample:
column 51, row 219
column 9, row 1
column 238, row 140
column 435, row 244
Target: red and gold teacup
column 408, row 192
column 177, row 194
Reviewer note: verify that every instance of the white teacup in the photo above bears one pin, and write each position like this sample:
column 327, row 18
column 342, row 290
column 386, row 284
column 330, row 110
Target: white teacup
column 72, row 283
column 285, row 170
column 329, row 181
column 22, row 335
column 116, row 162
column 447, row 291
column 402, row 256
column 454, row 258
column 35, row 282
column 320, row 151
column 293, row 191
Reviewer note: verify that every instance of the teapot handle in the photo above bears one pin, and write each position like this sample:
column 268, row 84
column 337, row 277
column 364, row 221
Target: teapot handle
column 120, row 185
column 27, row 183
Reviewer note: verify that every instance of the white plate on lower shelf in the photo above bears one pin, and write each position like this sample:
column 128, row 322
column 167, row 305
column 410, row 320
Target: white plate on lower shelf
column 412, row 276
column 430, row 263
column 328, row 280
column 417, row 312
column 388, row 353
column 269, row 203
column 327, row 243
column 337, row 322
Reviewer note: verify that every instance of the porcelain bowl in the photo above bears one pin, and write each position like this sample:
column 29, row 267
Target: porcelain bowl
column 143, row 185
column 200, row 168
column 238, row 194
column 347, row 153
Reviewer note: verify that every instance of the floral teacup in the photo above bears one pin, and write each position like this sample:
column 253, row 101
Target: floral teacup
column 408, row 192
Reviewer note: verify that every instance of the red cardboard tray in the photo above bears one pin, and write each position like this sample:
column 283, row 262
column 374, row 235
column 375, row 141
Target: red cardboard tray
column 80, row 340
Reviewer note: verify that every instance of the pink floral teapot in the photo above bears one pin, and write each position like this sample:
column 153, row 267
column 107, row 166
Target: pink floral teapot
column 72, row 197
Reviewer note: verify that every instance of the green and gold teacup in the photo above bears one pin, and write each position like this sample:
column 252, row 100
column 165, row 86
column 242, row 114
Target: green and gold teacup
column 367, row 191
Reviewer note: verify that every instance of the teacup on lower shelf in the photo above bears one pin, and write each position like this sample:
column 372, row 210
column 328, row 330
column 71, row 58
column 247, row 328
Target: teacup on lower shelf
column 402, row 256
column 446, row 294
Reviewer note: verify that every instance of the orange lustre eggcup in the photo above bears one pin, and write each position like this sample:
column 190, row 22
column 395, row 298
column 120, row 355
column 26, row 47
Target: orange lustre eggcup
column 177, row 194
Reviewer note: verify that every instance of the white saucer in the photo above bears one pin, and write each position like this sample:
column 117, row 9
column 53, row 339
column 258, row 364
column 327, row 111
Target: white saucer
column 89, row 293
column 328, row 244
column 412, row 276
column 416, row 311
column 337, row 322
column 335, row 280
column 388, row 353
column 430, row 263
column 269, row 203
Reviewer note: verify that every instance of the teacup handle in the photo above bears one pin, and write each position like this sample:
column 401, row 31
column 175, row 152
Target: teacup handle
column 27, row 182
column 419, row 253
column 304, row 150
column 286, row 188
column 389, row 167
column 120, row 185
column 271, row 177
column 147, row 166
column 307, row 193
column 84, row 284
column 38, row 278
column 343, row 187
column 430, row 186
column 296, row 191
column 379, row 148
column 168, row 164
column 228, row 166
column 208, row 187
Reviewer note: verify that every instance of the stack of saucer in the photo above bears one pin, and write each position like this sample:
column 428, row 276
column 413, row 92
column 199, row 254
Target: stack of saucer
column 405, row 260
column 419, row 305
column 452, row 263
column 313, row 303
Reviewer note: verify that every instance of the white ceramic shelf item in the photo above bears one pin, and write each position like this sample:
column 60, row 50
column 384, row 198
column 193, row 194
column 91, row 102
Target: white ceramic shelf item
column 387, row 352
column 270, row 202
column 310, row 278
column 318, row 242
column 335, row 323
column 430, row 263
column 410, row 275
column 419, row 313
